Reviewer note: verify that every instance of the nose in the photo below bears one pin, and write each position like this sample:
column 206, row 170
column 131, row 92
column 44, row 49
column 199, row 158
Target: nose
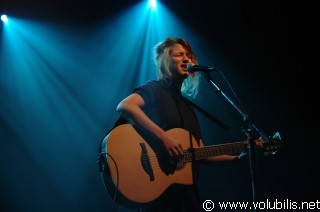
column 186, row 59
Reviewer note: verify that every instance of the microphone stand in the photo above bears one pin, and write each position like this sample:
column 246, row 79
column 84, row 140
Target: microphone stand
column 251, row 131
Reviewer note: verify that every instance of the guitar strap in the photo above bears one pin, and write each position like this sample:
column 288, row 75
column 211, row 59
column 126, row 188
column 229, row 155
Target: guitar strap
column 208, row 115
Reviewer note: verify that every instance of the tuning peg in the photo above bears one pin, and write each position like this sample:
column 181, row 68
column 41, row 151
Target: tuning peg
column 273, row 147
column 277, row 136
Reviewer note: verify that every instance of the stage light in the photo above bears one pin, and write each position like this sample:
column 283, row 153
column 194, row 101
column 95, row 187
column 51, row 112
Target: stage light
column 4, row 18
column 153, row 4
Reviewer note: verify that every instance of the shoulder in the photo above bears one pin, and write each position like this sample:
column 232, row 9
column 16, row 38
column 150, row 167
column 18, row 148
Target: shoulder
column 149, row 90
column 149, row 85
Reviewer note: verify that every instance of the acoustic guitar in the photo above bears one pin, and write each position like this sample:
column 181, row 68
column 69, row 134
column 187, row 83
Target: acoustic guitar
column 136, row 169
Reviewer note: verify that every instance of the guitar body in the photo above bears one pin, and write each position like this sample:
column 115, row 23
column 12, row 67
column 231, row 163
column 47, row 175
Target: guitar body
column 136, row 171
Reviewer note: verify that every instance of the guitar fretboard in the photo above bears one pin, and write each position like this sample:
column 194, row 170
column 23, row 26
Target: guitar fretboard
column 214, row 150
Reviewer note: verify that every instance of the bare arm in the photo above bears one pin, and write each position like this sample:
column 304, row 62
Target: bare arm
column 130, row 109
column 220, row 159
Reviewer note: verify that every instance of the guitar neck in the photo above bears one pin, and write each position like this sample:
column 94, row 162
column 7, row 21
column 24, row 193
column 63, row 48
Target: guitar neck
column 214, row 150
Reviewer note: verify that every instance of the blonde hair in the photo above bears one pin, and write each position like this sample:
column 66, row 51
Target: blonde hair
column 162, row 60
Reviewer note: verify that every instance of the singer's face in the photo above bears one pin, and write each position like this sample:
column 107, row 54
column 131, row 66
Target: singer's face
column 180, row 58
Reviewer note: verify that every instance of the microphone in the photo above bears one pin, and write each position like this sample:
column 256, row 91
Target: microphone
column 205, row 69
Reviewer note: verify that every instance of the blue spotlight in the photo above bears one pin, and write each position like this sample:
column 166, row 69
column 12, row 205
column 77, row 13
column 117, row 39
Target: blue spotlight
column 4, row 18
column 153, row 4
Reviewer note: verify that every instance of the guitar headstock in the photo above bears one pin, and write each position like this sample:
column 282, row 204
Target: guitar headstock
column 273, row 144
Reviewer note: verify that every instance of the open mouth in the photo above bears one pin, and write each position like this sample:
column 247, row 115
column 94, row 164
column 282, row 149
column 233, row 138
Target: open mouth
column 184, row 66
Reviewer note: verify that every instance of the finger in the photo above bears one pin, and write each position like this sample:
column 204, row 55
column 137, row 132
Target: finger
column 180, row 149
column 169, row 152
column 174, row 152
column 258, row 144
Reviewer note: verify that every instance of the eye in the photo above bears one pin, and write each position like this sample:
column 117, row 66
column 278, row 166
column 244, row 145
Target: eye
column 177, row 53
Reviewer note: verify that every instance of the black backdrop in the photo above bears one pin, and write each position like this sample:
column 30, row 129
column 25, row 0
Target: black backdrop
column 273, row 44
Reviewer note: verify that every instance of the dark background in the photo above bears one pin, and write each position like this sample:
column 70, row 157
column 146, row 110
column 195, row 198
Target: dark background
column 273, row 46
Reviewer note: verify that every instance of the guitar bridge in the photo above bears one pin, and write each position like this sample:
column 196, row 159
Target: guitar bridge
column 145, row 161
